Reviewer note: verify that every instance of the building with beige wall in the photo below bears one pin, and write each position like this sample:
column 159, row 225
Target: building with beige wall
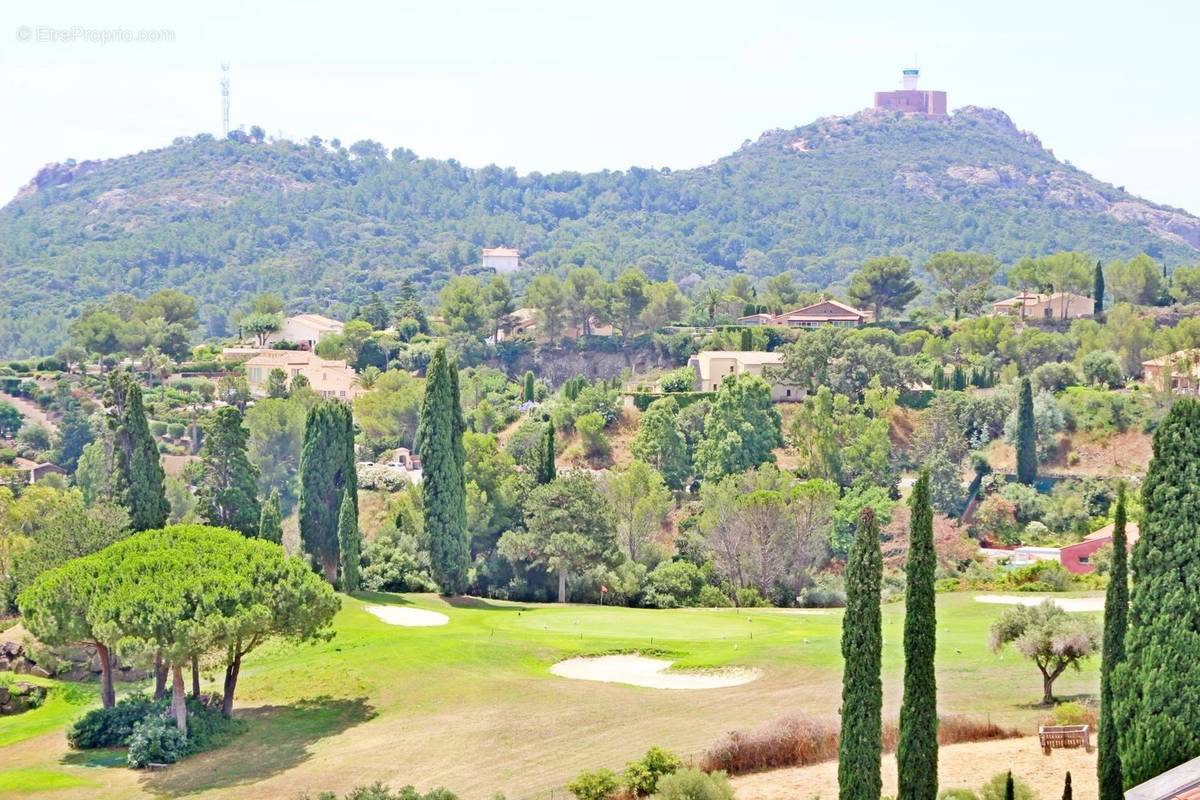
column 818, row 315
column 306, row 330
column 1178, row 372
column 333, row 380
column 1060, row 305
column 713, row 366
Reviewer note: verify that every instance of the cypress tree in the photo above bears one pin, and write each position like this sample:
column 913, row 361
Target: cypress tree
column 1067, row 787
column 1098, row 292
column 1157, row 685
column 546, row 467
column 443, row 487
column 1026, row 435
column 917, row 749
column 270, row 523
column 939, row 377
column 326, row 475
column 140, row 480
column 1116, row 612
column 861, row 745
column 349, row 545
column 747, row 337
column 960, row 378
column 227, row 494
column 527, row 390
column 1010, row 790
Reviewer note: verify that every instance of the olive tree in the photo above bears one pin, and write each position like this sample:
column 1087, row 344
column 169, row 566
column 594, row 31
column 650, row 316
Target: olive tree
column 1050, row 637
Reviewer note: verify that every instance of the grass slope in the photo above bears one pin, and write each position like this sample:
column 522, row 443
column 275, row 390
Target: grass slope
column 472, row 705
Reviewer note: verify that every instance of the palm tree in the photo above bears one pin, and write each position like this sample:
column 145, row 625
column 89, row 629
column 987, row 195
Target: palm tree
column 367, row 378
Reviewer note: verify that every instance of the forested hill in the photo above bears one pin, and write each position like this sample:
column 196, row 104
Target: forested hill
column 325, row 225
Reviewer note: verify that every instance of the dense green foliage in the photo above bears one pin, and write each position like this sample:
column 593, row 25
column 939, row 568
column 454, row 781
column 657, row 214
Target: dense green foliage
column 1026, row 435
column 860, row 746
column 327, row 474
column 138, row 471
column 1157, row 684
column 270, row 525
column 443, row 484
column 349, row 544
column 917, row 748
column 326, row 227
column 227, row 492
column 741, row 429
column 1116, row 613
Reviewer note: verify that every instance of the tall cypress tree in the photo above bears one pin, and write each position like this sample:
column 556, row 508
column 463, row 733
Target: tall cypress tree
column 140, row 480
column 1116, row 612
column 861, row 745
column 1027, row 463
column 270, row 522
column 326, row 475
column 527, row 389
column 1010, row 789
column 1098, row 291
column 1157, row 685
column 546, row 469
column 443, row 486
column 1067, row 793
column 227, row 495
column 917, row 749
column 349, row 545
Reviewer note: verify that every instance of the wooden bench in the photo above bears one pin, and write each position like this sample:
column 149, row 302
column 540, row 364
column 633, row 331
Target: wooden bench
column 1052, row 736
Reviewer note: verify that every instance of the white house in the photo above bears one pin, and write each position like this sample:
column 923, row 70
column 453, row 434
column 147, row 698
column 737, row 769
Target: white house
column 306, row 330
column 503, row 260
column 711, row 367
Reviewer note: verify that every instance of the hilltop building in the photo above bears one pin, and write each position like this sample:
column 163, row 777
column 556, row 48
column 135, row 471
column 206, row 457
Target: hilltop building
column 911, row 100
column 711, row 367
column 306, row 330
column 333, row 380
column 826, row 312
column 503, row 260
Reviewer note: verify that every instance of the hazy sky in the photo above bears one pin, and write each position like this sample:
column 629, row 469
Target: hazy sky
column 571, row 85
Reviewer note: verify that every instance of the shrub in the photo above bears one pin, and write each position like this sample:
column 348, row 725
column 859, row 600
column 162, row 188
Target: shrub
column 377, row 791
column 749, row 597
column 158, row 427
column 590, row 428
column 1072, row 713
column 692, row 784
column 596, row 785
column 680, row 380
column 1040, row 576
column 994, row 788
column 957, row 794
column 712, row 597
column 109, row 727
column 643, row 776
column 673, row 584
column 827, row 591
column 156, row 740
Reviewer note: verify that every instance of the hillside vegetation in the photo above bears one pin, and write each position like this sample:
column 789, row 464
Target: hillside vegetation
column 326, row 225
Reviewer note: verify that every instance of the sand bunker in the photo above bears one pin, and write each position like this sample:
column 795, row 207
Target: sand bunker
column 1065, row 603
column 648, row 672
column 408, row 617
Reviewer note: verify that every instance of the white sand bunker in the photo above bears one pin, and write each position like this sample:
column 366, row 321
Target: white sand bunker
column 651, row 673
column 408, row 617
column 1065, row 603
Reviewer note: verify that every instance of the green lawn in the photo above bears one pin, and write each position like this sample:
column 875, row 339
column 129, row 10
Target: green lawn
column 472, row 705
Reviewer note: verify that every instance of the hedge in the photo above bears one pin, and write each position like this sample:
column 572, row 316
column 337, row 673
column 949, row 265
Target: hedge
column 642, row 400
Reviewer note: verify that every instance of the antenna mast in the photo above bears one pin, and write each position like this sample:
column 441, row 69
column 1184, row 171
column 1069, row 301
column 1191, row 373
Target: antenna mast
column 225, row 98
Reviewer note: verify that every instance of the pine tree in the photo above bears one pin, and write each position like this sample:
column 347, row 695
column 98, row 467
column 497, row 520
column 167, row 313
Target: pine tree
column 326, row 474
column 1098, row 292
column 270, row 523
column 1157, row 685
column 1116, row 612
column 917, row 749
column 1067, row 787
column 227, row 493
column 527, row 390
column 1027, row 464
column 140, row 480
column 349, row 545
column 443, row 487
column 861, row 745
column 547, row 470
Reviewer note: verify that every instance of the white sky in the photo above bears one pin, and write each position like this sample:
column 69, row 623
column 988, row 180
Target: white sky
column 571, row 85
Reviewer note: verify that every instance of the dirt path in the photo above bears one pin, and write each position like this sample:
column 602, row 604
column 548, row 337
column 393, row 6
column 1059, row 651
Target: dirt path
column 32, row 412
column 959, row 766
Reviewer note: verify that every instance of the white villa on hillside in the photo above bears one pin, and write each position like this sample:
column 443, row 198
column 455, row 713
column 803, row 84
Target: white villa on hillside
column 711, row 367
column 1060, row 305
column 503, row 260
column 306, row 330
column 333, row 380
column 826, row 312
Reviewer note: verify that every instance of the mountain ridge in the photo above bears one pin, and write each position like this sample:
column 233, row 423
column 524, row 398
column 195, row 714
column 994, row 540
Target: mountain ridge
column 326, row 226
